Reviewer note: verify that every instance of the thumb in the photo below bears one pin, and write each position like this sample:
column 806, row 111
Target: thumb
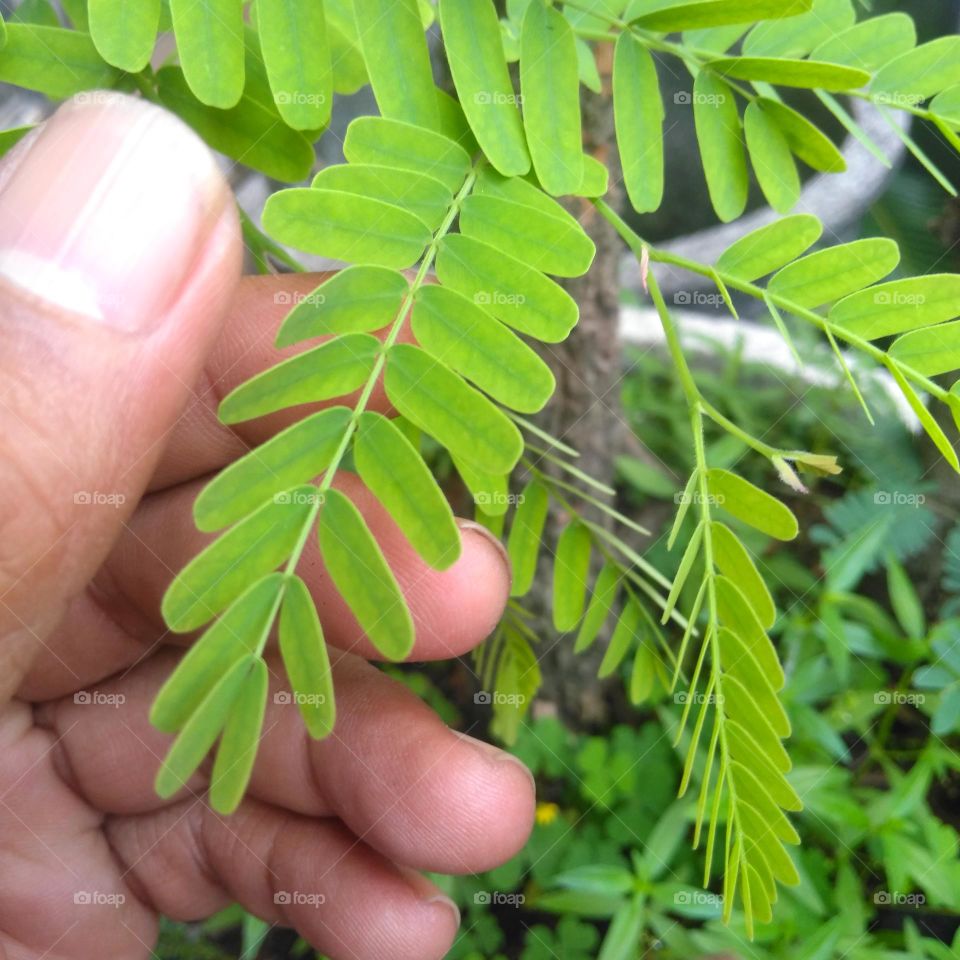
column 119, row 247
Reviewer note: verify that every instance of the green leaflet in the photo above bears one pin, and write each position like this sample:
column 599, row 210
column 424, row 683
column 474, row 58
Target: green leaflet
column 690, row 555
column 767, row 848
column 624, row 633
column 622, row 940
column 755, row 507
column 210, row 46
column 745, row 748
column 293, row 39
column 453, row 123
column 772, row 160
column 241, row 737
column 587, row 71
column 398, row 61
column 291, row 458
column 492, row 184
column 604, row 593
column 551, row 98
column 734, row 562
column 256, row 546
column 467, row 339
column 391, row 143
column 920, row 73
column 758, row 796
column 947, row 106
column 462, row 419
column 740, row 706
column 520, row 296
column 808, row 142
column 240, row 632
column 770, row 247
column 736, row 612
column 419, row 194
column 545, row 242
column 354, row 300
column 349, row 68
column 471, row 34
column 333, row 369
column 642, row 674
column 359, row 571
column 904, row 599
column 808, row 74
column 899, row 306
column 397, row 476
column 927, row 421
column 596, row 178
column 638, row 114
column 345, row 226
column 123, row 32
column 737, row 661
column 721, row 146
column 523, row 544
column 930, row 351
column 797, row 36
column 714, row 13
column 306, row 660
column 870, row 44
column 202, row 729
column 835, row 272
column 570, row 571
column 53, row 61
column 248, row 133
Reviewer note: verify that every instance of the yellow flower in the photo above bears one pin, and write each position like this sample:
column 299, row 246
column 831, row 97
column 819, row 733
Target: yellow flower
column 546, row 813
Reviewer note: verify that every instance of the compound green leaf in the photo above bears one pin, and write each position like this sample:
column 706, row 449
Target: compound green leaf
column 571, row 568
column 809, row 74
column 398, row 61
column 715, row 13
column 835, row 272
column 737, row 661
column 871, row 44
column 291, row 458
column 931, row 351
column 248, row 132
column 53, row 61
column 899, row 306
column 755, row 507
column 251, row 549
column 345, row 226
column 721, row 145
column 638, row 114
column 354, row 300
column 331, row 370
column 604, row 593
column 238, row 633
column 772, row 159
column 770, row 247
column 123, row 32
column 461, row 418
column 734, row 562
column 736, row 612
column 624, row 633
column 471, row 34
column 523, row 544
column 523, row 298
column 356, row 565
column 807, row 141
column 296, row 53
column 420, row 194
column 210, row 46
column 196, row 738
column 241, row 737
column 797, row 36
column 551, row 98
column 920, row 73
column 545, row 242
column 397, row 476
column 467, row 339
column 306, row 660
column 392, row 143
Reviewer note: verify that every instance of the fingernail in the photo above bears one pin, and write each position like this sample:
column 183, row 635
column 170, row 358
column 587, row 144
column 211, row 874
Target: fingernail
column 104, row 211
column 428, row 891
column 448, row 903
column 494, row 541
column 495, row 754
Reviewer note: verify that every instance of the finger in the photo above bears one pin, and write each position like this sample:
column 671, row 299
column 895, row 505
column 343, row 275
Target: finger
column 118, row 247
column 414, row 790
column 200, row 443
column 346, row 900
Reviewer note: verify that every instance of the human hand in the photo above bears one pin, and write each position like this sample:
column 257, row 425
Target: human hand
column 122, row 321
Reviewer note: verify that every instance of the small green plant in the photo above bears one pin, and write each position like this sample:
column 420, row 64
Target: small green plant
column 461, row 187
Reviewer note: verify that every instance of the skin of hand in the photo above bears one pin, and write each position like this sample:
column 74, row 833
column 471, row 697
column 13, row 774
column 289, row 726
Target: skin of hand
column 123, row 321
